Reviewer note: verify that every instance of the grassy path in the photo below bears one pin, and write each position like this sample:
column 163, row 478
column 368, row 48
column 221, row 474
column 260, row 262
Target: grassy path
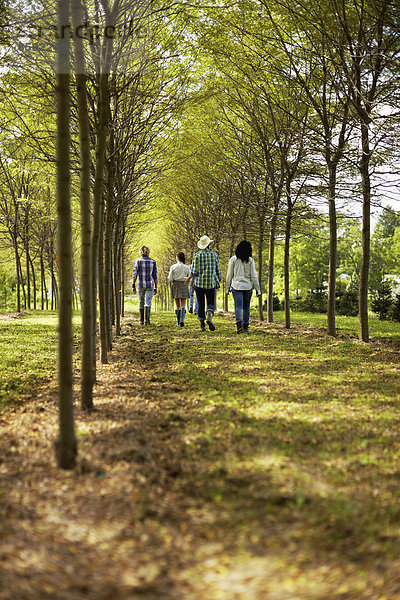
column 260, row 467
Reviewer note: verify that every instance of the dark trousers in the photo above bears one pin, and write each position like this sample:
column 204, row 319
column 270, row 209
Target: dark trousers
column 201, row 295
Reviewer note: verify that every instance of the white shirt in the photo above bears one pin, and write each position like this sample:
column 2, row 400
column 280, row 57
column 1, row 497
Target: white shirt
column 242, row 275
column 179, row 272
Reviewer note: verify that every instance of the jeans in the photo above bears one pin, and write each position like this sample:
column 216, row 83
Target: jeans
column 201, row 295
column 191, row 298
column 145, row 296
column 242, row 305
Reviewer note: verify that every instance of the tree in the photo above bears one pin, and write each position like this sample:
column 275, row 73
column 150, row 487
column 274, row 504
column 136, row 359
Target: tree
column 66, row 447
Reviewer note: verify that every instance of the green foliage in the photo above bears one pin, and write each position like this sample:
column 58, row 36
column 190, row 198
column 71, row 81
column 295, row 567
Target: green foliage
column 347, row 300
column 316, row 301
column 394, row 312
column 383, row 300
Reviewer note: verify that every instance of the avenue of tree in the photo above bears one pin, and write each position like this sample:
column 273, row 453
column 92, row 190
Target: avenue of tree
column 275, row 121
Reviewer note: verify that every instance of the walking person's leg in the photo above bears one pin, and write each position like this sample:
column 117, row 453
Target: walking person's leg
column 183, row 311
column 210, row 294
column 147, row 304
column 201, row 312
column 246, row 309
column 191, row 298
column 238, row 300
column 141, row 295
column 178, row 310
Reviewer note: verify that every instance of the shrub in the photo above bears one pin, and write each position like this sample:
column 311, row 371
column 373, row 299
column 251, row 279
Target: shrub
column 316, row 301
column 383, row 300
column 347, row 301
column 394, row 312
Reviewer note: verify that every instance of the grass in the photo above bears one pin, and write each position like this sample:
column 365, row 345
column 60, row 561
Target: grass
column 290, row 429
column 29, row 352
column 251, row 466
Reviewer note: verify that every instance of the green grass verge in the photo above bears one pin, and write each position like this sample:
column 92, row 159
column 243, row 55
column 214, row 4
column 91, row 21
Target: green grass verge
column 29, row 352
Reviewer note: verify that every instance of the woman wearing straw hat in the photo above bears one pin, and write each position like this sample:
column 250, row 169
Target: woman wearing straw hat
column 206, row 275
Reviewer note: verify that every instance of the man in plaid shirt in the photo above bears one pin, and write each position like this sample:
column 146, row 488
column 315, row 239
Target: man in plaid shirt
column 145, row 269
column 206, row 275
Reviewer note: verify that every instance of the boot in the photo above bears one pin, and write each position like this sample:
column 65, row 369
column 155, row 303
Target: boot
column 246, row 327
column 202, row 326
column 178, row 316
column 239, row 326
column 147, row 314
column 183, row 313
column 141, row 313
column 209, row 322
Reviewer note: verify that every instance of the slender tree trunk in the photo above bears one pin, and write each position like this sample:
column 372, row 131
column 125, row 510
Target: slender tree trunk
column 103, row 111
column 28, row 275
column 66, row 447
column 117, row 280
column 288, row 227
column 108, row 271
column 123, row 278
column 331, row 314
column 260, row 272
column 18, row 278
column 42, row 284
column 102, row 303
column 33, row 282
column 88, row 316
column 271, row 259
column 366, row 234
column 21, row 278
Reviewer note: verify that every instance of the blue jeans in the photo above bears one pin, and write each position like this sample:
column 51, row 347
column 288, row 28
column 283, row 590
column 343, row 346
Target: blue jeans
column 191, row 298
column 145, row 296
column 242, row 305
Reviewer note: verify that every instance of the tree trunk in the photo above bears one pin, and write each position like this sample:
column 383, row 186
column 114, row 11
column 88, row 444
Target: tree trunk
column 288, row 228
column 108, row 271
column 28, row 274
column 33, row 282
column 103, row 110
column 271, row 258
column 66, row 447
column 366, row 234
column 260, row 273
column 102, row 303
column 18, row 278
column 86, row 265
column 331, row 314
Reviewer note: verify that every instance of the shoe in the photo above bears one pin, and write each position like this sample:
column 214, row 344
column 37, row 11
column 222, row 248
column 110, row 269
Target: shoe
column 239, row 326
column 178, row 316
column 182, row 319
column 141, row 313
column 246, row 328
column 209, row 322
column 202, row 326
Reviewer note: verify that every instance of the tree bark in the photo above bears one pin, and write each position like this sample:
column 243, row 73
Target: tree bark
column 271, row 259
column 366, row 234
column 66, row 447
column 86, row 250
column 331, row 313
column 288, row 227
column 260, row 272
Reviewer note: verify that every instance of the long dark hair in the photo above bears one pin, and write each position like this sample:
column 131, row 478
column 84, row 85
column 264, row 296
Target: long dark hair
column 180, row 256
column 244, row 251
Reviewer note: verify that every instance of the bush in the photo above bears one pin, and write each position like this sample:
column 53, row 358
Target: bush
column 347, row 301
column 276, row 303
column 316, row 301
column 394, row 312
column 383, row 300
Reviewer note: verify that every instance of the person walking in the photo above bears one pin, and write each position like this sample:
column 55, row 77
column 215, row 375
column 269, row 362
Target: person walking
column 205, row 272
column 241, row 278
column 145, row 269
column 178, row 274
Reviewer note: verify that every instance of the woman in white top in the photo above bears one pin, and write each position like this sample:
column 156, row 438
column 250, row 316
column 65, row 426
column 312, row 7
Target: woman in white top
column 180, row 290
column 241, row 278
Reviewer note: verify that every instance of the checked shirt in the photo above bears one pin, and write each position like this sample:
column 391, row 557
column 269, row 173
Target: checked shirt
column 145, row 269
column 205, row 269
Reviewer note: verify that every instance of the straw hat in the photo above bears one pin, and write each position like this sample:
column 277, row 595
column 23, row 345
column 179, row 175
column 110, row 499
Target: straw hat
column 203, row 242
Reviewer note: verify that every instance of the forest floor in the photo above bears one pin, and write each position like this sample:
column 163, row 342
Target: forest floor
column 216, row 467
